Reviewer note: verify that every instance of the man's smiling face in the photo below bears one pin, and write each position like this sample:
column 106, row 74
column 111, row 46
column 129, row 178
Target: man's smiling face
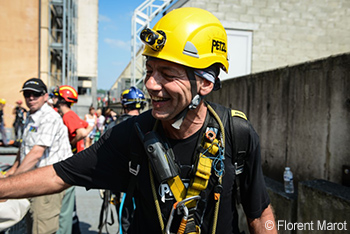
column 169, row 88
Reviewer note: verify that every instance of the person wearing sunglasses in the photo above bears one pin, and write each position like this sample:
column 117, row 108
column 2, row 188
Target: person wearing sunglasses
column 45, row 142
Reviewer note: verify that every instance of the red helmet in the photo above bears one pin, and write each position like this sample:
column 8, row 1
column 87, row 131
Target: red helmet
column 68, row 93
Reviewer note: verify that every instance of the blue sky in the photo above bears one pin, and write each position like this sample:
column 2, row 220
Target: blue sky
column 114, row 48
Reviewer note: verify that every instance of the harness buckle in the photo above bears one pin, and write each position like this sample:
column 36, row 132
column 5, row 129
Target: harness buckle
column 134, row 171
column 239, row 164
column 238, row 168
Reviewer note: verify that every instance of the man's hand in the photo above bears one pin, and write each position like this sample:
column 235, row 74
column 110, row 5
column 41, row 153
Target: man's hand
column 265, row 224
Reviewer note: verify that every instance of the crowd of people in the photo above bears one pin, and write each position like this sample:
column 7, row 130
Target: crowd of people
column 185, row 164
column 94, row 118
column 43, row 140
column 20, row 115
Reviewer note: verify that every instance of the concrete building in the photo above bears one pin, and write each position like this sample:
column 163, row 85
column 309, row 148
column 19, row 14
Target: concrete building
column 54, row 40
column 20, row 50
column 87, row 48
column 267, row 34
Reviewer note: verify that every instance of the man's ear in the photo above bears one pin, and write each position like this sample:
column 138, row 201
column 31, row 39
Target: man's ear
column 46, row 97
column 205, row 86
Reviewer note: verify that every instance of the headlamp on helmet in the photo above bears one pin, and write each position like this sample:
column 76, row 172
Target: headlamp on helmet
column 154, row 39
column 194, row 38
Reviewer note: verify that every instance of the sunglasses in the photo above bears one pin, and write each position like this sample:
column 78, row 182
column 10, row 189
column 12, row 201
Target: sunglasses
column 27, row 94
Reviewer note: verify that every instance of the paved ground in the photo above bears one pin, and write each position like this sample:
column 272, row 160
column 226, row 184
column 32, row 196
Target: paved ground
column 88, row 206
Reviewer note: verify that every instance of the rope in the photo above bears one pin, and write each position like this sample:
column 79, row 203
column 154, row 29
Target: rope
column 222, row 129
column 159, row 213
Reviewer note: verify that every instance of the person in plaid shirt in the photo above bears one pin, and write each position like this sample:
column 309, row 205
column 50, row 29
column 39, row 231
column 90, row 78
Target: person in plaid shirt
column 45, row 142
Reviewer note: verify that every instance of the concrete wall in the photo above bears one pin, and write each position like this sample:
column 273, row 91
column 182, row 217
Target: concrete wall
column 325, row 206
column 87, row 38
column 284, row 205
column 317, row 206
column 285, row 32
column 87, row 53
column 302, row 115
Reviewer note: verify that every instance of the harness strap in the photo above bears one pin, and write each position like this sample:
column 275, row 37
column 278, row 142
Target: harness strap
column 203, row 172
column 200, row 181
column 134, row 168
column 239, row 123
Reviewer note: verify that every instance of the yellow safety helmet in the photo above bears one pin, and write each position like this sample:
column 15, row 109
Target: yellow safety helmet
column 2, row 101
column 188, row 36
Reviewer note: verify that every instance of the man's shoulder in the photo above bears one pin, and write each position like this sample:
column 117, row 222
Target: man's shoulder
column 218, row 107
column 72, row 119
column 145, row 116
column 48, row 113
column 71, row 114
column 145, row 120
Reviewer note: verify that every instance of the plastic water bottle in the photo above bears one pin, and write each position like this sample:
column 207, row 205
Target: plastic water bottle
column 288, row 180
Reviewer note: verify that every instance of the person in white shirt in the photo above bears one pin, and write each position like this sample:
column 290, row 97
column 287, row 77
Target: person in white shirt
column 45, row 142
column 100, row 121
column 91, row 118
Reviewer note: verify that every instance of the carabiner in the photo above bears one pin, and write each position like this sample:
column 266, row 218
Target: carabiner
column 182, row 207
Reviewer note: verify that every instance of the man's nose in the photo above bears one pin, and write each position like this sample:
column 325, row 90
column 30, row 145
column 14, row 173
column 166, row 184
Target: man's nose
column 154, row 81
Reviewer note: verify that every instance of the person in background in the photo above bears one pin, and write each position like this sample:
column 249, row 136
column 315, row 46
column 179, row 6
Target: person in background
column 44, row 142
column 133, row 101
column 110, row 117
column 100, row 127
column 2, row 124
column 20, row 116
column 91, row 119
column 63, row 98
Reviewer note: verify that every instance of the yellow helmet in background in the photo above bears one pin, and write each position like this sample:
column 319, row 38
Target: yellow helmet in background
column 2, row 101
column 188, row 36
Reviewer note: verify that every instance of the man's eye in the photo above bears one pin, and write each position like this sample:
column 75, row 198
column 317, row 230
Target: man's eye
column 170, row 76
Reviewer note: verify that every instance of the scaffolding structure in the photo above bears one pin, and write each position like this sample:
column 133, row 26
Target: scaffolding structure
column 62, row 42
column 142, row 17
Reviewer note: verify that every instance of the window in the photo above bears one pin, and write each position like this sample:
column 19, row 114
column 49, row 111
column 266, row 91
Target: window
column 239, row 52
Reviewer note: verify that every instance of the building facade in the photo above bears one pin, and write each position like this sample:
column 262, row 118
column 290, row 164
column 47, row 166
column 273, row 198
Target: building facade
column 267, row 34
column 87, row 52
column 51, row 40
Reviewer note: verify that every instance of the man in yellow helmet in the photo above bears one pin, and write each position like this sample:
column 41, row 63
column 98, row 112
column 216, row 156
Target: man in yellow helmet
column 179, row 160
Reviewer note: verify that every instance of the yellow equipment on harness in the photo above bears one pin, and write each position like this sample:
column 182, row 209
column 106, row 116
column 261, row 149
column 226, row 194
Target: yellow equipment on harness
column 200, row 180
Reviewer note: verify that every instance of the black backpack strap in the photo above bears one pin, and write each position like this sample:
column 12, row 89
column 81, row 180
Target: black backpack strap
column 134, row 168
column 241, row 135
column 135, row 162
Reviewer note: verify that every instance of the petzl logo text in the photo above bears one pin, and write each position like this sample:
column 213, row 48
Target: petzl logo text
column 218, row 46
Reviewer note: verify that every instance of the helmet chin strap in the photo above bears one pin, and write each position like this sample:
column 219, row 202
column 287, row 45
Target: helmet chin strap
column 196, row 99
